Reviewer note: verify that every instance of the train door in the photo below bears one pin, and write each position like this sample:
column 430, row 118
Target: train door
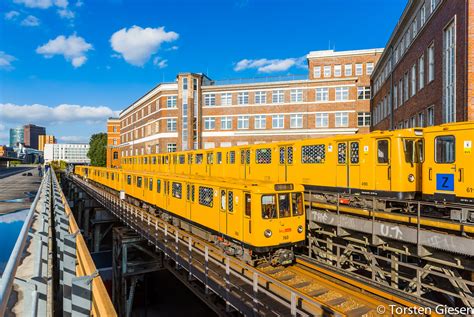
column 285, row 164
column 209, row 163
column 354, row 167
column 383, row 169
column 245, row 163
column 342, row 167
column 442, row 173
column 223, row 211
column 234, row 216
column 166, row 193
column 247, row 218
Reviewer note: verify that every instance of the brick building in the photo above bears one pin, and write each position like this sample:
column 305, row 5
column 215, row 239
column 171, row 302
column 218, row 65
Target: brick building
column 425, row 76
column 197, row 112
column 31, row 135
column 113, row 140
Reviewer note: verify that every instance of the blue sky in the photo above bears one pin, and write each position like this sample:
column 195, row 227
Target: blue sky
column 69, row 64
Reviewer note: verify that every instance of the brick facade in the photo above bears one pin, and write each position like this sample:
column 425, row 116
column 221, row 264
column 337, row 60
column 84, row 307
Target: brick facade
column 113, row 141
column 197, row 112
column 424, row 26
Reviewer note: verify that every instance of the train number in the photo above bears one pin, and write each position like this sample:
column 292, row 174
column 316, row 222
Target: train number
column 286, row 237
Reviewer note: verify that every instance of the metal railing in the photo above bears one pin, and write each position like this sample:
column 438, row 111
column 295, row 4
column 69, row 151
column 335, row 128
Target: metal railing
column 8, row 276
column 256, row 80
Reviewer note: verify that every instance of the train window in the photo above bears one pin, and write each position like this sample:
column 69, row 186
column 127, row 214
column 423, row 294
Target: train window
column 248, row 205
column 199, row 158
column 247, row 156
column 420, row 147
column 297, row 200
column 219, row 157
column 341, row 153
column 158, row 185
column 145, row 160
column 107, row 175
column 232, row 157
column 192, row 193
column 112, row 175
column 409, row 147
column 289, row 154
column 190, row 159
column 175, row 159
column 242, row 157
column 269, row 207
column 311, row 154
column 129, row 180
column 181, row 159
column 230, row 201
column 282, row 155
column 188, row 192
column 445, row 149
column 153, row 160
column 354, row 153
column 139, row 182
column 382, row 151
column 166, row 159
column 206, row 196
column 150, row 184
column 176, row 190
column 210, row 158
column 263, row 156
column 223, row 200
column 284, row 205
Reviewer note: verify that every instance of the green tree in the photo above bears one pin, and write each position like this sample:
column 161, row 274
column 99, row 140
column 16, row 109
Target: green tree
column 98, row 149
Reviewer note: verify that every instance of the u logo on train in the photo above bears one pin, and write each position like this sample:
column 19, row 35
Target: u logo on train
column 250, row 199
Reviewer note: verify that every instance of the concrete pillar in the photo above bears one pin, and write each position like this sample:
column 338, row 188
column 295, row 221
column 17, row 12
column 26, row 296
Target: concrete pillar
column 97, row 237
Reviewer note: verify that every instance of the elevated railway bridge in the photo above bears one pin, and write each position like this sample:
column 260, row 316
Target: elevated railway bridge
column 356, row 262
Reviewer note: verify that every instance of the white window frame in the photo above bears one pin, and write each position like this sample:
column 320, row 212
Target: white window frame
column 260, row 122
column 341, row 119
column 171, row 125
column 359, row 69
column 296, row 121
column 296, row 95
column 430, row 116
column 171, row 101
column 322, row 120
column 413, row 80
column 322, row 94
column 209, row 100
column 209, row 123
column 260, row 97
column 348, row 70
column 337, row 70
column 243, row 98
column 317, row 71
column 431, row 63
column 226, row 99
column 421, row 72
column 327, row 71
column 278, row 121
column 226, row 123
column 243, row 122
column 365, row 116
column 449, row 73
column 369, row 68
column 278, row 96
column 171, row 147
column 342, row 93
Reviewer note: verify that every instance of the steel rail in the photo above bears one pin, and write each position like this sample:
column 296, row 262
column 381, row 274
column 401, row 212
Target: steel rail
column 8, row 276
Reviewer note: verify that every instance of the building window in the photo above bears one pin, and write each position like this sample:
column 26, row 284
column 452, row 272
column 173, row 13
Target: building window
column 317, row 71
column 171, row 147
column 342, row 93
column 337, row 70
column 209, row 123
column 260, row 122
column 342, row 119
column 405, row 88
column 243, row 122
column 226, row 99
column 421, row 119
column 449, row 73
column 363, row 119
column 432, row 6
column 260, row 97
column 171, row 125
column 209, row 99
column 322, row 94
column 278, row 121
column 413, row 80
column 421, row 72
column 359, row 69
column 422, row 15
column 430, row 116
column 327, row 71
column 296, row 95
column 296, row 121
column 400, row 87
column 171, row 102
column 431, row 63
column 243, row 98
column 322, row 120
column 363, row 93
column 277, row 96
column 369, row 68
column 395, row 96
column 414, row 28
column 226, row 123
column 348, row 70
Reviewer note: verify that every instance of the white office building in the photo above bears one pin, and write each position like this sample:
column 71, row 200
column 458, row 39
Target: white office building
column 70, row 153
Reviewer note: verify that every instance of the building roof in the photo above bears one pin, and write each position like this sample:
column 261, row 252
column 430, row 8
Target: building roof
column 333, row 53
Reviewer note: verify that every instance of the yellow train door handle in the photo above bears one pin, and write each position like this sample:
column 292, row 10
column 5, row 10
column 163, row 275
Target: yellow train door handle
column 461, row 174
column 430, row 170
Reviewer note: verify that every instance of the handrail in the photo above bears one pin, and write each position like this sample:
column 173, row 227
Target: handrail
column 101, row 303
column 6, row 282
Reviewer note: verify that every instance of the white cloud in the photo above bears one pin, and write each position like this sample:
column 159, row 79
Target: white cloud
column 41, row 114
column 158, row 62
column 30, row 21
column 137, row 45
column 74, row 139
column 73, row 48
column 2, row 127
column 41, row 4
column 11, row 15
column 66, row 14
column 79, row 3
column 6, row 61
column 61, row 3
column 264, row 65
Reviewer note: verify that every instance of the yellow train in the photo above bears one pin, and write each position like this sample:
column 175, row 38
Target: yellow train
column 256, row 220
column 390, row 164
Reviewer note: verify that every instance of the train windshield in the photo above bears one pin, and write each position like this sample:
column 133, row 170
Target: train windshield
column 413, row 150
column 269, row 207
column 284, row 205
column 297, row 199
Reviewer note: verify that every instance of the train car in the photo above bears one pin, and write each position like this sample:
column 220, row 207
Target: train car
column 448, row 173
column 256, row 220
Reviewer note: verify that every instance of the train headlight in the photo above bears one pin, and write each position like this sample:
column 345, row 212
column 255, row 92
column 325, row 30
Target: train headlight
column 411, row 178
column 267, row 233
column 300, row 228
